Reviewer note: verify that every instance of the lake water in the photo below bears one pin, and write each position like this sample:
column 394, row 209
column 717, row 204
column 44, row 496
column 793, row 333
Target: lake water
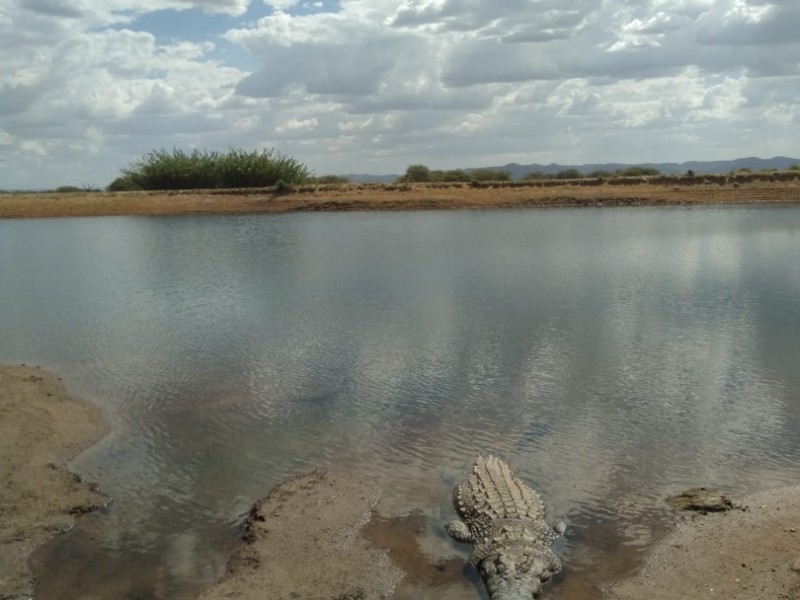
column 612, row 356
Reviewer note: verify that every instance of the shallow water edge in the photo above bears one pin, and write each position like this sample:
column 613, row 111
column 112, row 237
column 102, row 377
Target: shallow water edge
column 42, row 428
column 612, row 356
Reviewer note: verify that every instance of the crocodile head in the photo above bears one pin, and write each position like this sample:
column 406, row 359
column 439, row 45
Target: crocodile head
column 510, row 576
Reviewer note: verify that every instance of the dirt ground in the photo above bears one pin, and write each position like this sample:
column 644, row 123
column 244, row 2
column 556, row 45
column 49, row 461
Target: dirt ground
column 751, row 554
column 41, row 429
column 748, row 553
column 303, row 541
column 320, row 519
column 416, row 196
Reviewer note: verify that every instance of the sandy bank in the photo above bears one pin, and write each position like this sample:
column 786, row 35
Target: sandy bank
column 393, row 197
column 310, row 538
column 41, row 428
column 751, row 554
column 303, row 541
column 316, row 536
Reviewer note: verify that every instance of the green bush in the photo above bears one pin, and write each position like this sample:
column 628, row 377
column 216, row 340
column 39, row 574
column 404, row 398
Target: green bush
column 489, row 175
column 456, row 175
column 68, row 189
column 639, row 172
column 283, row 187
column 416, row 173
column 124, row 183
column 179, row 170
column 421, row 173
column 569, row 174
column 534, row 176
column 448, row 176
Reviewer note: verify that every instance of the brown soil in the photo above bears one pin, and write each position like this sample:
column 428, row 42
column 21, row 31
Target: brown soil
column 737, row 555
column 302, row 541
column 41, row 428
column 396, row 197
column 308, row 538
column 316, row 537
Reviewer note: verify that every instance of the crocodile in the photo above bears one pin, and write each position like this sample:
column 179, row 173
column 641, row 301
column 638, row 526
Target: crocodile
column 504, row 521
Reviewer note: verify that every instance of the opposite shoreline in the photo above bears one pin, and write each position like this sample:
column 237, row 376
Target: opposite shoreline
column 41, row 429
column 398, row 197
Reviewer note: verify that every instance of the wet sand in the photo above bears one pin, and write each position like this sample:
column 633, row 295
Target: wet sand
column 41, row 429
column 737, row 555
column 317, row 536
column 303, row 541
column 306, row 539
column 348, row 197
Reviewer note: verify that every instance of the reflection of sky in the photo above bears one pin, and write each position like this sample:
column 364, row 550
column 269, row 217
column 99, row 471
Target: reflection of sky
column 612, row 356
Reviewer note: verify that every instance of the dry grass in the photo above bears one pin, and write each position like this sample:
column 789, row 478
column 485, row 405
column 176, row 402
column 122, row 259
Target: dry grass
column 418, row 196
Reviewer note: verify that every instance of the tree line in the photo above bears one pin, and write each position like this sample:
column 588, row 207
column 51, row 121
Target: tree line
column 421, row 173
column 236, row 168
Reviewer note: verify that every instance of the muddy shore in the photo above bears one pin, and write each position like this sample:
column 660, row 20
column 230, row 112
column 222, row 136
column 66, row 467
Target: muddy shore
column 303, row 541
column 317, row 536
column 746, row 554
column 749, row 553
column 348, row 197
column 41, row 428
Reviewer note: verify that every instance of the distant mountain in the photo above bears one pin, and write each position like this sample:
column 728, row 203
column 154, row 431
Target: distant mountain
column 717, row 166
column 710, row 167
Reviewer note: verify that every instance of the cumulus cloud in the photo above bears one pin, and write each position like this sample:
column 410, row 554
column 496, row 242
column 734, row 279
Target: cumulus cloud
column 739, row 23
column 282, row 5
column 374, row 85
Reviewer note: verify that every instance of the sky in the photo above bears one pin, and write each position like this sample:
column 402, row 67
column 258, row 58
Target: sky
column 372, row 86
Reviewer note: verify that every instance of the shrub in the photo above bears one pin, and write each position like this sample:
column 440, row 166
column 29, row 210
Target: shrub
column 179, row 170
column 421, row 173
column 534, row 176
column 452, row 175
column 489, row 175
column 639, row 172
column 124, row 183
column 569, row 174
column 68, row 189
column 416, row 173
column 456, row 175
column 282, row 187
column 794, row 168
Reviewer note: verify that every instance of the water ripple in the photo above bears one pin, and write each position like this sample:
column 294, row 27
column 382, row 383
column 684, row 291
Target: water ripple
column 613, row 357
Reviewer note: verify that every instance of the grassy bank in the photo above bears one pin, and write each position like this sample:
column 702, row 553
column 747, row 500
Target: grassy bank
column 404, row 196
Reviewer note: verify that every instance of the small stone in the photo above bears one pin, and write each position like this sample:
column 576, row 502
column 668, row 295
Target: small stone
column 796, row 565
column 792, row 529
